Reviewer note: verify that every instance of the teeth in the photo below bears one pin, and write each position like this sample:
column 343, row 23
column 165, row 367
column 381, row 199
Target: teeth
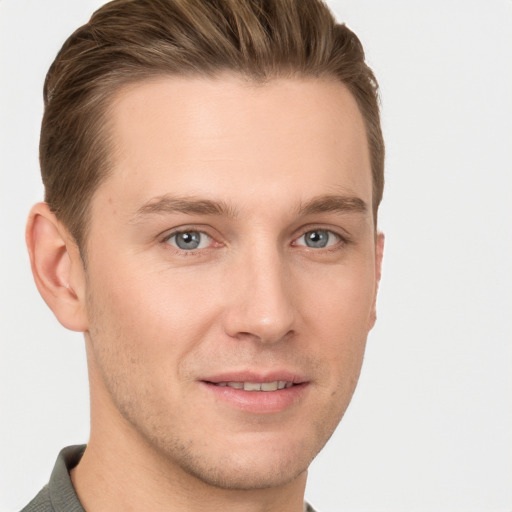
column 252, row 386
column 258, row 386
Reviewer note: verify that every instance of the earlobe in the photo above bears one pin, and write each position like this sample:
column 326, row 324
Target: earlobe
column 57, row 267
column 379, row 252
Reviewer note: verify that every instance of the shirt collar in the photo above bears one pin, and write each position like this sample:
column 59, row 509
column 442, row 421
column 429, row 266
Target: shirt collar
column 62, row 493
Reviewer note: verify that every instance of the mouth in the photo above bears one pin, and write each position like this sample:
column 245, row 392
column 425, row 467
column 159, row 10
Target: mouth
column 256, row 386
column 258, row 393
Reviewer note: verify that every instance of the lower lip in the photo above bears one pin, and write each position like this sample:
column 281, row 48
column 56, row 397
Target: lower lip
column 259, row 402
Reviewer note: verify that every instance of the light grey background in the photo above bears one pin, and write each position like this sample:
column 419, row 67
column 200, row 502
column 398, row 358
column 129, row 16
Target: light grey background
column 430, row 426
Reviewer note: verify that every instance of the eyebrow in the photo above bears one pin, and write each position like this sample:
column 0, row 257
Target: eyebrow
column 189, row 205
column 194, row 206
column 334, row 203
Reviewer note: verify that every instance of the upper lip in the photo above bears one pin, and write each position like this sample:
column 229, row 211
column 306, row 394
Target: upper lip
column 256, row 376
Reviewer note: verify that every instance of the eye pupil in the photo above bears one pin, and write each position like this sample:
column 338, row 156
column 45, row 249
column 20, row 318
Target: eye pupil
column 188, row 240
column 317, row 238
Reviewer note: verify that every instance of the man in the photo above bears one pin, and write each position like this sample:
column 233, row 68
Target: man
column 212, row 177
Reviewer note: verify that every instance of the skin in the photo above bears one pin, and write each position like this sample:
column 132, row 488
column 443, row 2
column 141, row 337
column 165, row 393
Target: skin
column 275, row 161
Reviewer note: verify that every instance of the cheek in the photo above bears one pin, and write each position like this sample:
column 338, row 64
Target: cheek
column 157, row 317
column 336, row 312
column 341, row 300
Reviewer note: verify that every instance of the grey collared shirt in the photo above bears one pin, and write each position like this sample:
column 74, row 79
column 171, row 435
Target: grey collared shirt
column 59, row 495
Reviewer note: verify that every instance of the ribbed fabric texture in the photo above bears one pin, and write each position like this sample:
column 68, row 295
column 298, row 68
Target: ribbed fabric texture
column 59, row 495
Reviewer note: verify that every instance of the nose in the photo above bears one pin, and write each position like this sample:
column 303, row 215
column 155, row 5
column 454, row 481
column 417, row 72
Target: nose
column 260, row 305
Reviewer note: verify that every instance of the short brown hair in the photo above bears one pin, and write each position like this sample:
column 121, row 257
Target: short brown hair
column 127, row 41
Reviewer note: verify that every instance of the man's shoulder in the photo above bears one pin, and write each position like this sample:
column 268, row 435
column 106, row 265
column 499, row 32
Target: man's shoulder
column 41, row 503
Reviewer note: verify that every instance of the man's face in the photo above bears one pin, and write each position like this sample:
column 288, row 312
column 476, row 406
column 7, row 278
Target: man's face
column 232, row 248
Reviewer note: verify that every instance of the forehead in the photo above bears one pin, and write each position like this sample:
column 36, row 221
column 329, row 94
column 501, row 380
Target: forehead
column 233, row 138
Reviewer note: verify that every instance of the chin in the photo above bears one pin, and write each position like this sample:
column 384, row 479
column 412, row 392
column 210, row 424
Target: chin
column 244, row 473
column 254, row 462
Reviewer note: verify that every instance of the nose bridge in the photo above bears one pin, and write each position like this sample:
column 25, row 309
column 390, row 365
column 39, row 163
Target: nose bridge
column 262, row 305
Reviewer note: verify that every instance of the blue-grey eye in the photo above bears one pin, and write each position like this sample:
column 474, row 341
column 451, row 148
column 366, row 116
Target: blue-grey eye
column 318, row 239
column 189, row 240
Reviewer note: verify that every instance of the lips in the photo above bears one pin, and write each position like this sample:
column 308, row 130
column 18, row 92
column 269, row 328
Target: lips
column 257, row 392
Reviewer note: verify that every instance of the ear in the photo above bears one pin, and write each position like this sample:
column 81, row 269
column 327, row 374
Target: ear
column 57, row 267
column 379, row 252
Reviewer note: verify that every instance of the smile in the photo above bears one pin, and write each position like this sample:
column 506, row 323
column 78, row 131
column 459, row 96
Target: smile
column 257, row 386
